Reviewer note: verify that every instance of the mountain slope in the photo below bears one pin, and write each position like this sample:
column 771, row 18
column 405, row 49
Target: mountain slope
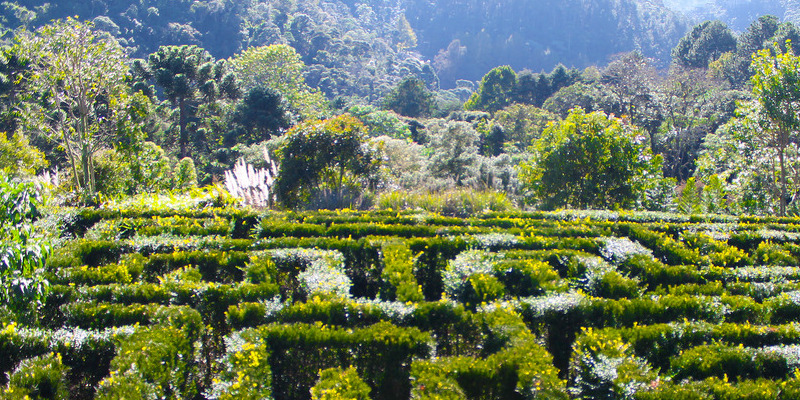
column 738, row 14
column 468, row 37
column 462, row 38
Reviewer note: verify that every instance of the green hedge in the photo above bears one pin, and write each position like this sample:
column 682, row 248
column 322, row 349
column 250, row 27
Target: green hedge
column 714, row 388
column 340, row 384
column 213, row 265
column 160, row 358
column 87, row 354
column 315, row 288
column 734, row 363
column 41, row 377
column 457, row 331
column 514, row 366
column 661, row 343
column 397, row 275
column 381, row 353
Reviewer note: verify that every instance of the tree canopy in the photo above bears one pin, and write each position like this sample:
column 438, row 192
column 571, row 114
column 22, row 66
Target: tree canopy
column 703, row 44
column 590, row 161
column 321, row 155
column 776, row 86
column 188, row 76
column 83, row 77
column 279, row 68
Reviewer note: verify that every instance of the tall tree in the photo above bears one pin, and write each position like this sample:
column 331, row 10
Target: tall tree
column 776, row 85
column 740, row 155
column 632, row 78
column 692, row 105
column 279, row 67
column 496, row 90
column 453, row 149
column 522, row 124
column 323, row 155
column 81, row 79
column 259, row 115
column 14, row 75
column 705, row 43
column 410, row 98
column 762, row 33
column 188, row 76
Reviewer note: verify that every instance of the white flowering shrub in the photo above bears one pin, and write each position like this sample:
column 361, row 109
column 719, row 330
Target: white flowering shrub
column 496, row 240
column 321, row 271
column 618, row 249
column 326, row 275
column 459, row 270
column 555, row 304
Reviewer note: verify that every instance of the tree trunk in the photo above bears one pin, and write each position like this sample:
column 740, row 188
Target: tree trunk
column 87, row 186
column 782, row 161
column 72, row 162
column 183, row 140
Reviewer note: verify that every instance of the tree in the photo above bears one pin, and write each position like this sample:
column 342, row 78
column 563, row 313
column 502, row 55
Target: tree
column 496, row 90
column 776, row 86
column 757, row 34
column 410, row 98
column 589, row 97
column 14, row 76
column 735, row 66
column 523, row 123
column 692, row 106
column 590, row 161
column 80, row 78
column 318, row 155
column 703, row 44
column 738, row 154
column 536, row 88
column 279, row 68
column 403, row 36
column 453, row 150
column 258, row 116
column 188, row 76
column 632, row 79
column 381, row 122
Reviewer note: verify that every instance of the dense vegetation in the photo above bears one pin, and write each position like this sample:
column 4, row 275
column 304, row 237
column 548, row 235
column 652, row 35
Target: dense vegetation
column 187, row 298
column 330, row 200
column 736, row 13
column 178, row 117
column 463, row 39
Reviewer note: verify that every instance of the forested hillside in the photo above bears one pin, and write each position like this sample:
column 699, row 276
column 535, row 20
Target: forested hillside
column 465, row 38
column 350, row 40
column 336, row 104
column 736, row 13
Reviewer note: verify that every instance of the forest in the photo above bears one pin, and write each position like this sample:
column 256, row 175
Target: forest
column 301, row 199
column 334, row 105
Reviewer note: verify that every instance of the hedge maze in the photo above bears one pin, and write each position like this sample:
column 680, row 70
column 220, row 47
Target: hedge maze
column 233, row 304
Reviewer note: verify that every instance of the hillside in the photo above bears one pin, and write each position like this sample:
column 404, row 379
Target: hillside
column 466, row 38
column 462, row 38
column 736, row 13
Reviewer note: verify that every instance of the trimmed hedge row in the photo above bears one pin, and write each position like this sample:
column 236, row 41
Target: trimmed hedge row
column 660, row 343
column 86, row 353
column 519, row 367
column 381, row 353
column 140, row 303
column 306, row 296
